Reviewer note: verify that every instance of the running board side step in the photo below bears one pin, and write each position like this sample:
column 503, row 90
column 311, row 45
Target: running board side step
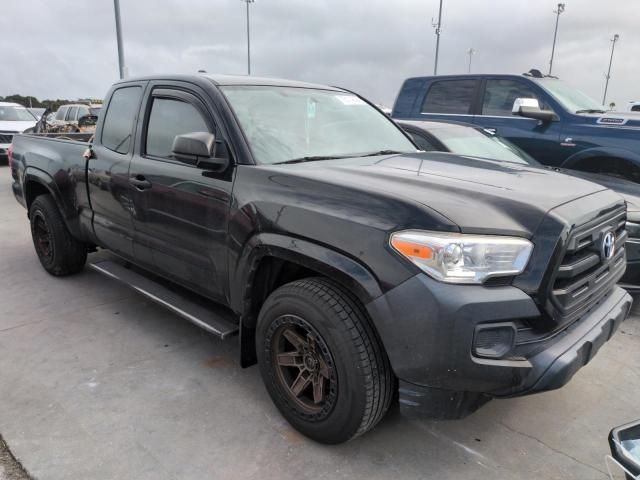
column 215, row 320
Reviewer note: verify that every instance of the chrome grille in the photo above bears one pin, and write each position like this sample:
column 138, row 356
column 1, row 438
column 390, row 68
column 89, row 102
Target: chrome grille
column 584, row 275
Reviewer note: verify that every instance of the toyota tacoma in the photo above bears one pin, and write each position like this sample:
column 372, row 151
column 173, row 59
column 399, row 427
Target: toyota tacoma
column 354, row 268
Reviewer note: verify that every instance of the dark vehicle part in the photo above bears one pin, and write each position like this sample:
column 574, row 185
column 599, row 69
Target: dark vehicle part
column 321, row 362
column 87, row 123
column 59, row 252
column 624, row 442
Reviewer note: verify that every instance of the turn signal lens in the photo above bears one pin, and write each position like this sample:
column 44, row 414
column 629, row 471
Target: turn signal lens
column 411, row 249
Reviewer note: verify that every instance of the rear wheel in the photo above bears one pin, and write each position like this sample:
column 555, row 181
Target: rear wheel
column 321, row 361
column 59, row 253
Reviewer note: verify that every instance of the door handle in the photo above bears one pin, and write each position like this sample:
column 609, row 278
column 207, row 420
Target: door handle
column 491, row 131
column 140, row 182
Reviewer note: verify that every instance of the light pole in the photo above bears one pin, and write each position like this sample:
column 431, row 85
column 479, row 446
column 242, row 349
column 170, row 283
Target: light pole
column 615, row 38
column 438, row 31
column 471, row 52
column 248, row 38
column 555, row 34
column 116, row 8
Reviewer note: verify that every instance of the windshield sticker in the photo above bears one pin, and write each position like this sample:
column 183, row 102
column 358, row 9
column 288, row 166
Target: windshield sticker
column 350, row 100
column 611, row 121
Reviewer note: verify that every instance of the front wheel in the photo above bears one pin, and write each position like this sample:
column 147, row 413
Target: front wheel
column 321, row 361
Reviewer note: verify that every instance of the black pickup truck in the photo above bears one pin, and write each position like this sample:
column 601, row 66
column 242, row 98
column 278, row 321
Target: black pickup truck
column 353, row 266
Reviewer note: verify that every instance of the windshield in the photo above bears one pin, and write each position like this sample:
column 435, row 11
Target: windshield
column 570, row 98
column 476, row 143
column 285, row 123
column 15, row 114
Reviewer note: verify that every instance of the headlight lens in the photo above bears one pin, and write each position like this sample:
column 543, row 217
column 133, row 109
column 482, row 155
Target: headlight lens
column 460, row 258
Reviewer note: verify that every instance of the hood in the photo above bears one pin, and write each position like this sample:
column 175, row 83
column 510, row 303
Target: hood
column 6, row 126
column 612, row 119
column 479, row 195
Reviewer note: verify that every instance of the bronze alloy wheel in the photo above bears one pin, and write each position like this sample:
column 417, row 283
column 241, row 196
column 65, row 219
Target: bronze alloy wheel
column 321, row 362
column 304, row 366
column 42, row 237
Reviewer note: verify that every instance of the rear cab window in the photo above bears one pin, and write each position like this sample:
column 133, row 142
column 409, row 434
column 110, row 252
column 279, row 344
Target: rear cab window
column 82, row 111
column 450, row 97
column 71, row 114
column 117, row 130
column 60, row 114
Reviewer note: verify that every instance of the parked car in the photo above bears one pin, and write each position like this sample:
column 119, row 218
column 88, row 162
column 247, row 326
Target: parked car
column 308, row 222
column 467, row 140
column 548, row 119
column 14, row 118
column 75, row 118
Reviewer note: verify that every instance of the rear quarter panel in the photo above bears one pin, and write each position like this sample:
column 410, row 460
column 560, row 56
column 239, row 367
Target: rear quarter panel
column 59, row 165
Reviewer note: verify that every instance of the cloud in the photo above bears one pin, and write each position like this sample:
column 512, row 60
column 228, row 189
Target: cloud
column 67, row 48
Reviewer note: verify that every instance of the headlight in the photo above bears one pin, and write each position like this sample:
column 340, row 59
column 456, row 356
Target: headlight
column 460, row 258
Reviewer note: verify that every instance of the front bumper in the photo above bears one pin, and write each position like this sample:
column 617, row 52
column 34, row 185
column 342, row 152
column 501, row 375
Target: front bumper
column 429, row 331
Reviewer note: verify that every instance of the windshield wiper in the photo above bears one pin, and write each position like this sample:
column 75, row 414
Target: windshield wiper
column 590, row 110
column 333, row 157
column 310, row 159
column 381, row 152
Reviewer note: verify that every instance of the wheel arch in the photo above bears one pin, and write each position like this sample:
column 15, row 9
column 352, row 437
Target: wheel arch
column 582, row 158
column 38, row 182
column 271, row 260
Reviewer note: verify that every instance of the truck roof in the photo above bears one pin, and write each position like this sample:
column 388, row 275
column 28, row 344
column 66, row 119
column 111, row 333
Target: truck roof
column 472, row 75
column 223, row 80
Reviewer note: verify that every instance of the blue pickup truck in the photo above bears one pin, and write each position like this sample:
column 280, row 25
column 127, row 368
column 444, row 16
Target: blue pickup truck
column 553, row 122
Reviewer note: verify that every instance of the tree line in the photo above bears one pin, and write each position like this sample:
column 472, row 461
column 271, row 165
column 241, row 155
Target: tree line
column 33, row 102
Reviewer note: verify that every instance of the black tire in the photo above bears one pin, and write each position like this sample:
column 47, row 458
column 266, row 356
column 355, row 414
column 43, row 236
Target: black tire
column 59, row 253
column 351, row 367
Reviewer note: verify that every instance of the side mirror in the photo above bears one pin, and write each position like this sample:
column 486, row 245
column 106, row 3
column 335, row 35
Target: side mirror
column 530, row 108
column 624, row 442
column 199, row 149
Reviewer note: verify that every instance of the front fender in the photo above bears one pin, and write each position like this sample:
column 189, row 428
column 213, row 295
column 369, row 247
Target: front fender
column 348, row 272
column 573, row 162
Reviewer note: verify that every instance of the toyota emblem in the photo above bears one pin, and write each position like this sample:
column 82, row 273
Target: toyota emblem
column 608, row 247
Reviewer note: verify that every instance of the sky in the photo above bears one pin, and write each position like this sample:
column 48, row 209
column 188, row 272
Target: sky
column 67, row 49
